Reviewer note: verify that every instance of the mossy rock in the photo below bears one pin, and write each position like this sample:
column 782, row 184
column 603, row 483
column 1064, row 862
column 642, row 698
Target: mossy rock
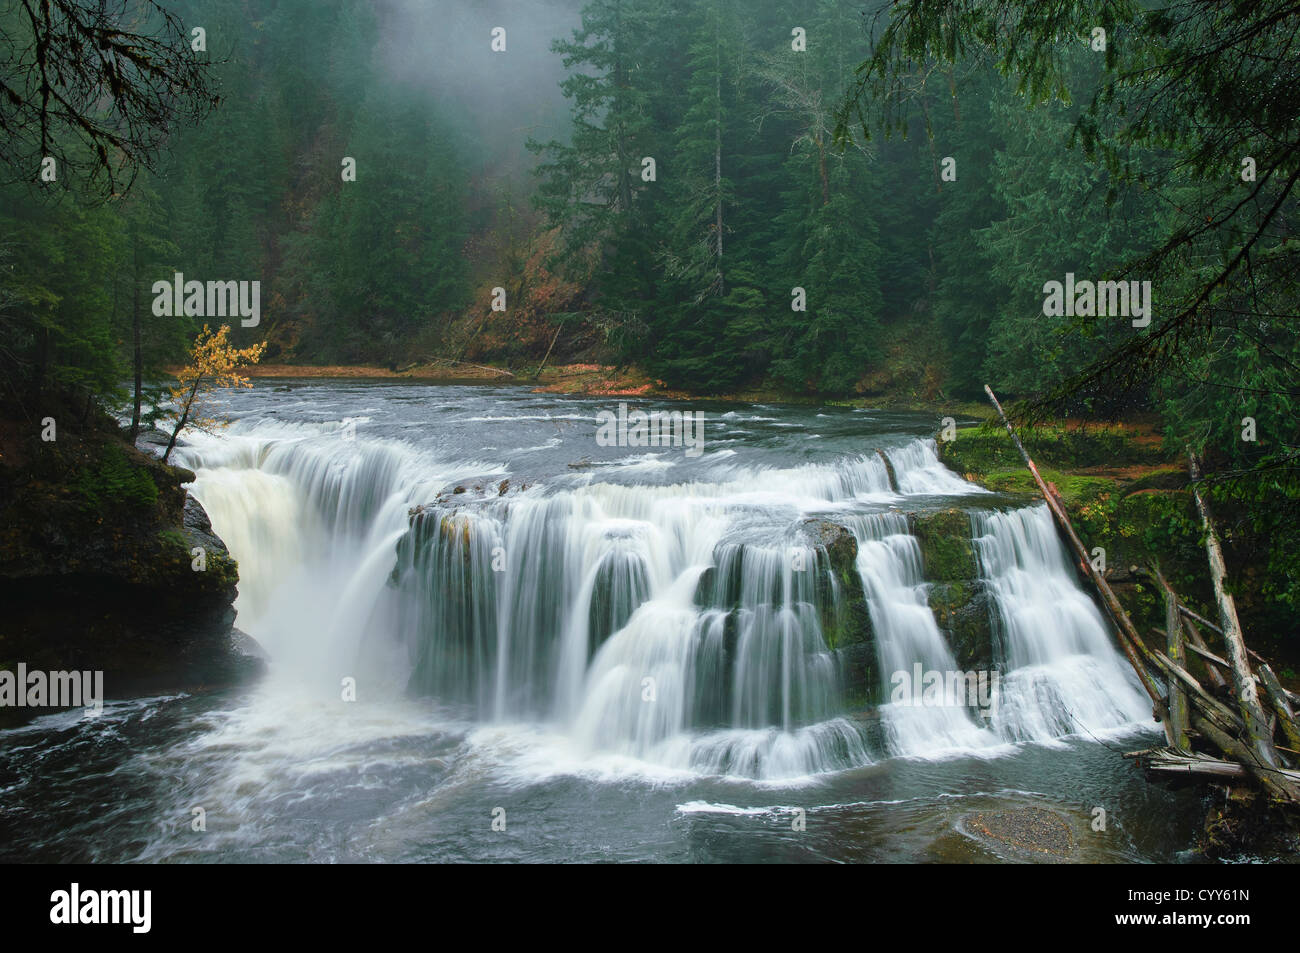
column 961, row 610
column 841, row 601
column 837, row 594
column 947, row 553
column 859, row 678
column 97, row 569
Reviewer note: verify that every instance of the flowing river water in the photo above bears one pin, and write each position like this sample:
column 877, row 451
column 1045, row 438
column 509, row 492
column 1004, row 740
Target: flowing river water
column 564, row 651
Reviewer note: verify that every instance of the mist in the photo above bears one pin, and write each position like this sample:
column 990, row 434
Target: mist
column 498, row 100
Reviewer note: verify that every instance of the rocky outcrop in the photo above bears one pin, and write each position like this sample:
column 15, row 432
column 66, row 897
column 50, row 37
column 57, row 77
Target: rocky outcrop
column 962, row 611
column 958, row 597
column 946, row 549
column 107, row 564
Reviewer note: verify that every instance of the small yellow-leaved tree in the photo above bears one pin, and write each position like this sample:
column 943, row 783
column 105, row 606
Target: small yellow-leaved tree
column 215, row 364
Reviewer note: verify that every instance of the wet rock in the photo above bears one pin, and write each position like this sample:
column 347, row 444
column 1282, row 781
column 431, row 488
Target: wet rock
column 836, row 593
column 947, row 553
column 841, row 601
column 622, row 583
column 156, row 438
column 961, row 610
column 714, row 664
column 107, row 564
column 245, row 644
column 859, row 676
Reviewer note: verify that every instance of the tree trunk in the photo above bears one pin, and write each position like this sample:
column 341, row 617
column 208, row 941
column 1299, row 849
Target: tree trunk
column 1243, row 683
column 139, row 356
column 1174, row 649
column 717, row 154
column 185, row 416
column 1129, row 640
column 821, row 162
column 542, row 366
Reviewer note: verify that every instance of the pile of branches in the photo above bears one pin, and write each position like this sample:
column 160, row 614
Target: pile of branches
column 1244, row 725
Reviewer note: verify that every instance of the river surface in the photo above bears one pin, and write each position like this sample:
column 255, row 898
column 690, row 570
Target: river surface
column 487, row 643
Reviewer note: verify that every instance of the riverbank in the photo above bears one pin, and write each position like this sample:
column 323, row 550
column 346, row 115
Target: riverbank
column 1127, row 494
column 107, row 565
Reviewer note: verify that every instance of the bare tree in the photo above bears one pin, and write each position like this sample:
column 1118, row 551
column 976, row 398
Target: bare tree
column 95, row 85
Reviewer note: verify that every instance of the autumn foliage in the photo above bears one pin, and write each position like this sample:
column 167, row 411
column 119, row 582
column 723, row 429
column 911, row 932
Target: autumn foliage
column 214, row 364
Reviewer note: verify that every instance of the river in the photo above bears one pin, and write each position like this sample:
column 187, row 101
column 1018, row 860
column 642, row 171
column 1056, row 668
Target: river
column 487, row 642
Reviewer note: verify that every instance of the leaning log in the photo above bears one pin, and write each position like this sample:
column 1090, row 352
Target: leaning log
column 1174, row 649
column 1197, row 645
column 1243, row 683
column 1286, row 716
column 1129, row 641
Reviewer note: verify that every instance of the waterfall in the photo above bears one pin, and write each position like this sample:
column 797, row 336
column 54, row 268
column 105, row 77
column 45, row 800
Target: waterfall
column 1063, row 672
column 889, row 561
column 681, row 625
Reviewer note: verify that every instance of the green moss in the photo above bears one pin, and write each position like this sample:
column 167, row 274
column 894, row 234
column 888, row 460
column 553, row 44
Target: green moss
column 172, row 537
column 946, row 549
column 982, row 451
column 114, row 481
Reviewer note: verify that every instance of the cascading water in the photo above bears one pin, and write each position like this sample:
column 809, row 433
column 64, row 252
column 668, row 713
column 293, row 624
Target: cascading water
column 638, row 655
column 1063, row 674
column 889, row 561
column 674, row 624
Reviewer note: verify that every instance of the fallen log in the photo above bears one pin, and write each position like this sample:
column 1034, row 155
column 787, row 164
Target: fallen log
column 1286, row 717
column 1194, row 643
column 1243, row 684
column 1200, row 643
column 1177, row 762
column 482, row 367
column 1281, row 784
column 1208, row 656
column 1199, row 619
column 1130, row 642
column 1197, row 645
column 1174, row 649
column 1243, row 736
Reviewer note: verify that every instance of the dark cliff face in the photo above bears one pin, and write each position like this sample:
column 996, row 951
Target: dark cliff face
column 107, row 564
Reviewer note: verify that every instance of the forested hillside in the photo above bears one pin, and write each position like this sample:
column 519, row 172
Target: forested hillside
column 683, row 186
column 661, row 178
